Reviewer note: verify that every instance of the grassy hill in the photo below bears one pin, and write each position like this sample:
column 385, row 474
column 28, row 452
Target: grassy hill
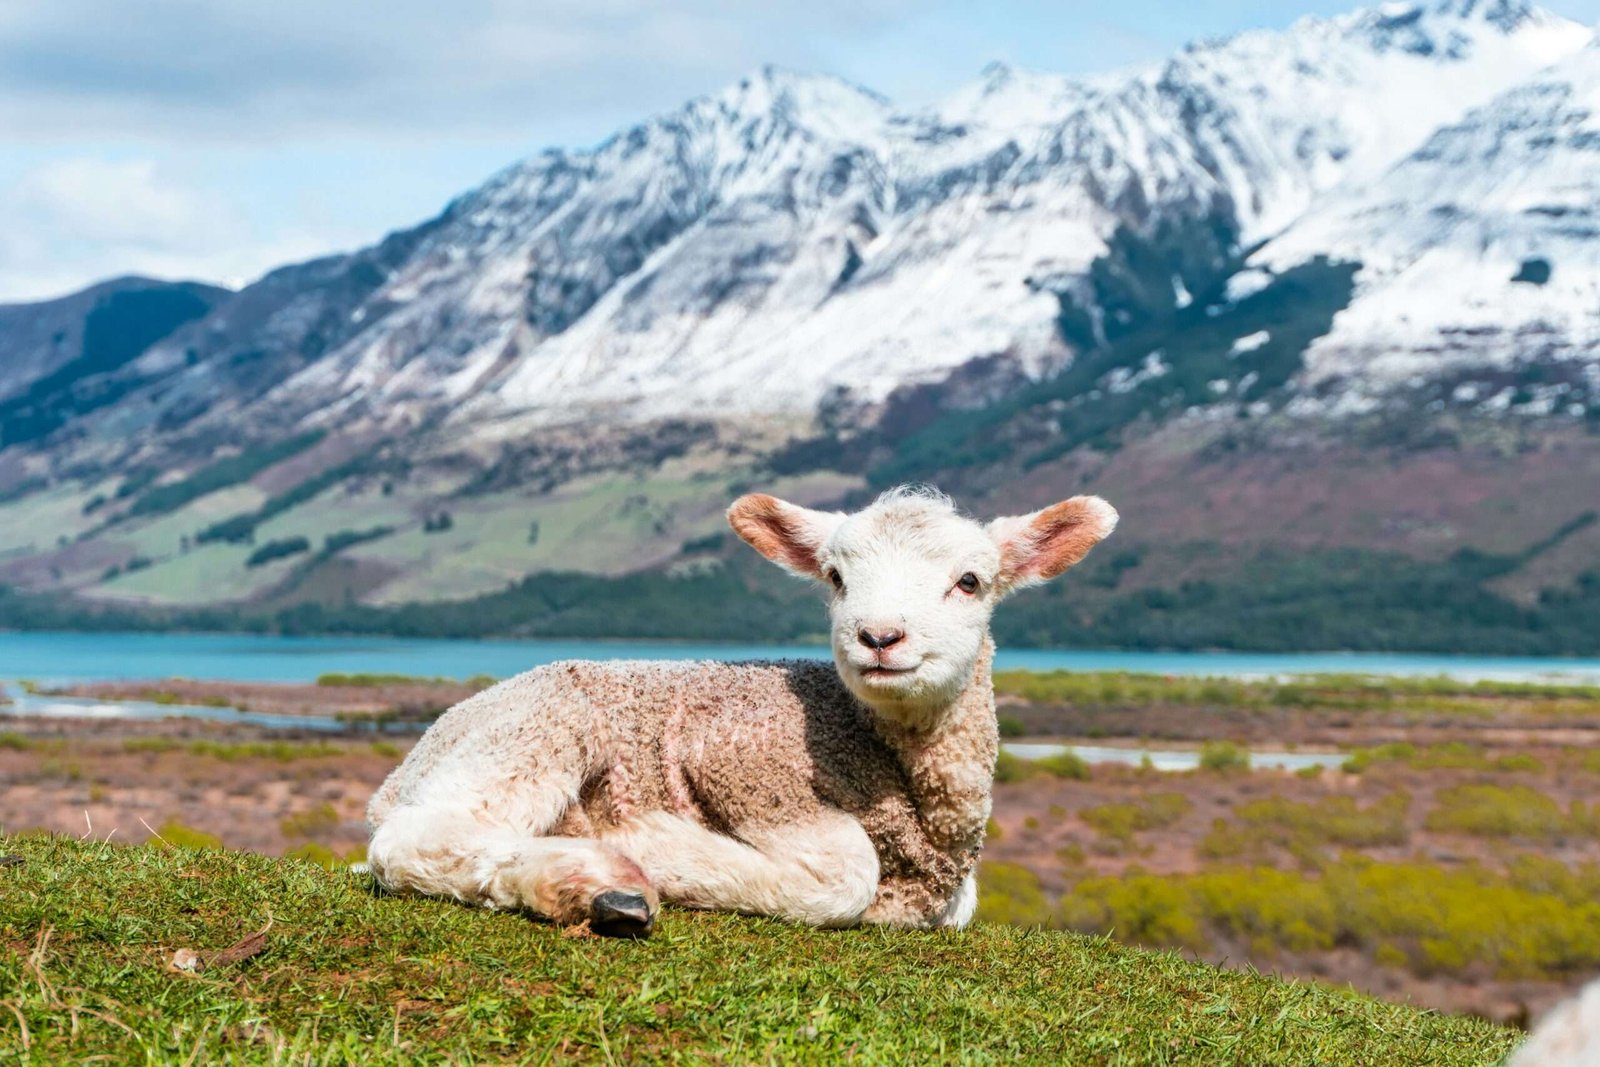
column 88, row 932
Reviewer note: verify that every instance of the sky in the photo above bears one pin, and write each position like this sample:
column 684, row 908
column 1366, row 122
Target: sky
column 216, row 139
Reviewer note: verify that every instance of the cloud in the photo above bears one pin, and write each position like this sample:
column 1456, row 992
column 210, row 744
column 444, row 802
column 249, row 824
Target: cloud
column 73, row 220
column 370, row 68
column 126, row 202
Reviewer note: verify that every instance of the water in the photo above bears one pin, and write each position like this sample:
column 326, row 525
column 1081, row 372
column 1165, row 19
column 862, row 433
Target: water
column 56, row 659
column 53, row 707
column 1175, row 759
column 61, row 658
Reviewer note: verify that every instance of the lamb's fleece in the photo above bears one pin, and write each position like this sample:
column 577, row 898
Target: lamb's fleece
column 735, row 747
column 1568, row 1037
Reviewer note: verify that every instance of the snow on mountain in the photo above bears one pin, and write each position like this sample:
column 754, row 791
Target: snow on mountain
column 1480, row 249
column 794, row 235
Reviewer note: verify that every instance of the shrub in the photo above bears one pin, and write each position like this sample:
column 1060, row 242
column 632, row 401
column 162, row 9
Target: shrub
column 1451, row 756
column 176, row 835
column 1011, row 894
column 375, row 680
column 1119, row 822
column 275, row 550
column 282, row 751
column 1505, row 811
column 1224, row 757
column 1418, row 915
column 340, row 540
column 1009, row 768
column 1011, row 727
column 1138, row 907
column 313, row 823
column 1064, row 765
column 1336, row 820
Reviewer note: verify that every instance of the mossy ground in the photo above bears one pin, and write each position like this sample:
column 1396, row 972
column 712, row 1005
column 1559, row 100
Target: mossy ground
column 88, row 932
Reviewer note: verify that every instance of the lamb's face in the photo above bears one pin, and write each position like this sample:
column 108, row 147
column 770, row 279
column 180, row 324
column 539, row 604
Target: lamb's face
column 914, row 583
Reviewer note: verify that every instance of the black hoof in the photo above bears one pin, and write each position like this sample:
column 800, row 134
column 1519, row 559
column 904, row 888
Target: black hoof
column 619, row 914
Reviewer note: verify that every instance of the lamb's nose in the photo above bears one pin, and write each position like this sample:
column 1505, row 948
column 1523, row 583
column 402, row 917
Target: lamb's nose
column 880, row 639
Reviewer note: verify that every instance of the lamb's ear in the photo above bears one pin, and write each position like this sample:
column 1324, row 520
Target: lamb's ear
column 1040, row 546
column 788, row 535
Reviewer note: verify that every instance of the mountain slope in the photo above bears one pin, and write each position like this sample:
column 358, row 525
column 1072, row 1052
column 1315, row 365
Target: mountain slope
column 1481, row 255
column 793, row 283
column 798, row 222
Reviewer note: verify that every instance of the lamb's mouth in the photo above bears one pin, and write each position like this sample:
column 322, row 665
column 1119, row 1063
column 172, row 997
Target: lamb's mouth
column 883, row 670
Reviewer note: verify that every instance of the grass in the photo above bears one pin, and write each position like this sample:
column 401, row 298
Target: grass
column 88, row 932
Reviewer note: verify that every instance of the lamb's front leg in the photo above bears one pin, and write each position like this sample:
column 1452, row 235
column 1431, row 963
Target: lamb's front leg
column 902, row 902
column 822, row 872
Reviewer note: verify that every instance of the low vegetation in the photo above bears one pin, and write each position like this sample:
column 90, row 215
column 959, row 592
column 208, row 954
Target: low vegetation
column 276, row 550
column 1416, row 915
column 1270, row 601
column 280, row 751
column 1118, row 823
column 219, row 475
column 1449, row 756
column 1334, row 692
column 1013, row 768
column 1511, row 811
column 374, row 681
column 322, row 969
column 1306, row 829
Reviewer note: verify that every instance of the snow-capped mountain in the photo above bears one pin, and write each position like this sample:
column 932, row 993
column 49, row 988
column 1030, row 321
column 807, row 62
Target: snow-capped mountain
column 1481, row 249
column 795, row 238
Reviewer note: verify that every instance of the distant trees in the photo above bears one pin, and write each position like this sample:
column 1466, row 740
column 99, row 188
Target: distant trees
column 273, row 550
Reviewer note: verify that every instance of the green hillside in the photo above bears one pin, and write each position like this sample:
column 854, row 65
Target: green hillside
column 88, row 932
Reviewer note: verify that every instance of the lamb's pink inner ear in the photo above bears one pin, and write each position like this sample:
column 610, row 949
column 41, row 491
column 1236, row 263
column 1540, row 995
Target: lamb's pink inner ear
column 788, row 535
column 1040, row 546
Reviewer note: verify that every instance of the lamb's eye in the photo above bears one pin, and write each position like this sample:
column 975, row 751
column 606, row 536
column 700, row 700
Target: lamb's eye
column 967, row 583
column 836, row 578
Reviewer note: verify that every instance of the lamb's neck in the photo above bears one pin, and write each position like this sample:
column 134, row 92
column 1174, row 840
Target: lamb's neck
column 950, row 765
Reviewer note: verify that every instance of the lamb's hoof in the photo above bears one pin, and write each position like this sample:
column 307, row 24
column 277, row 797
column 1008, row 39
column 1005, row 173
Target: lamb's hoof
column 620, row 914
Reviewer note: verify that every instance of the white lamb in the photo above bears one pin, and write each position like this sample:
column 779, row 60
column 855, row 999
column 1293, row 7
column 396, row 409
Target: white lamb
column 588, row 792
column 1569, row 1036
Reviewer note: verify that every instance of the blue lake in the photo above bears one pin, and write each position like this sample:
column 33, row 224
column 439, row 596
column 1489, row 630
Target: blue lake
column 56, row 658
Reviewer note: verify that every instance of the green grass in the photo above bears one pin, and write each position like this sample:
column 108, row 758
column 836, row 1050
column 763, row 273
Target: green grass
column 87, row 932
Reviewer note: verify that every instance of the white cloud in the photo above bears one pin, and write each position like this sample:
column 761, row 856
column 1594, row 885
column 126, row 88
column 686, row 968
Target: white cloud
column 74, row 220
column 375, row 67
column 125, row 202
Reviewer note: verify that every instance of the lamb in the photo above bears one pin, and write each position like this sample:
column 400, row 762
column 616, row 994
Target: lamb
column 831, row 795
column 1569, row 1036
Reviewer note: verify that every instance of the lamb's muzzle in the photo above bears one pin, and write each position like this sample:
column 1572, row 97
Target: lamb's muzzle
column 830, row 795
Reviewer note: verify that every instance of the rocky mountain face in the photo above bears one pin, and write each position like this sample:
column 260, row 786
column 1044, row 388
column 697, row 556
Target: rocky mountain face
column 1269, row 239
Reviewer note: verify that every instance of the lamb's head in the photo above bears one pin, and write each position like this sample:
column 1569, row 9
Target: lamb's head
column 914, row 582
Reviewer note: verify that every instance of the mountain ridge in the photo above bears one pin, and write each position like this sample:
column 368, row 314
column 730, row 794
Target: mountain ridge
column 794, row 282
